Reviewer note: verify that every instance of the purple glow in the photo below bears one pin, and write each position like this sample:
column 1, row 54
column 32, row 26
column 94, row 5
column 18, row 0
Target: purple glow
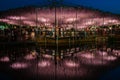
column 67, row 17
column 5, row 59
column 70, row 19
column 102, row 53
column 30, row 57
column 96, row 61
column 109, row 58
column 44, row 64
column 87, row 55
column 116, row 52
column 16, row 17
column 91, row 59
column 71, row 64
column 47, row 56
column 19, row 65
column 4, row 20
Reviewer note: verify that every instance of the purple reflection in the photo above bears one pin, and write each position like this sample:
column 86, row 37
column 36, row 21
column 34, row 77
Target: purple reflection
column 116, row 52
column 30, row 57
column 47, row 56
column 94, row 61
column 44, row 64
column 110, row 58
column 71, row 64
column 5, row 59
column 91, row 59
column 88, row 55
column 19, row 65
column 102, row 53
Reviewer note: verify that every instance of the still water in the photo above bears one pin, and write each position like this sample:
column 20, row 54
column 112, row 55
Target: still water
column 86, row 61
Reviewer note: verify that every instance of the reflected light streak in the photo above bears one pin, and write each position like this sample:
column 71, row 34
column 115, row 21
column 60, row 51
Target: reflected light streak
column 4, row 20
column 70, row 19
column 47, row 56
column 5, row 59
column 16, row 17
column 110, row 58
column 91, row 59
column 44, row 64
column 88, row 55
column 30, row 57
column 94, row 61
column 31, row 23
column 19, row 65
column 102, row 53
column 71, row 64
column 112, row 21
column 43, row 19
column 116, row 52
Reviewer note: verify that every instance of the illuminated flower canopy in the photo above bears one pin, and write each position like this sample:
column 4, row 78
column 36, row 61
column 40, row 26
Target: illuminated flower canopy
column 65, row 17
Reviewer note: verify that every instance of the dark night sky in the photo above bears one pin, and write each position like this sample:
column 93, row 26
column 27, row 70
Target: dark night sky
column 105, row 5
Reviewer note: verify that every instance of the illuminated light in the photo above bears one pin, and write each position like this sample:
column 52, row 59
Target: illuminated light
column 88, row 55
column 70, row 19
column 32, row 35
column 16, row 17
column 47, row 56
column 116, row 52
column 89, row 23
column 43, row 19
column 47, row 24
column 4, row 20
column 30, row 57
column 99, row 62
column 70, row 26
column 95, row 61
column 31, row 23
column 109, row 58
column 104, row 23
column 71, row 64
column 110, row 28
column 90, row 59
column 53, row 52
column 77, row 49
column 112, row 21
column 102, row 53
column 3, row 27
column 19, row 65
column 44, row 64
column 11, row 22
column 5, row 59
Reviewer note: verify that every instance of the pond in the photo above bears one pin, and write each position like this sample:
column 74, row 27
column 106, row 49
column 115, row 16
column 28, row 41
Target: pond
column 84, row 61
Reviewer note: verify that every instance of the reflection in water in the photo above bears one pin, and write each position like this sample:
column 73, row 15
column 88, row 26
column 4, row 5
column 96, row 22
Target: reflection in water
column 102, row 53
column 47, row 56
column 66, row 63
column 19, row 65
column 116, row 52
column 5, row 59
column 110, row 58
column 87, row 55
column 91, row 59
column 71, row 64
column 30, row 57
column 44, row 63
